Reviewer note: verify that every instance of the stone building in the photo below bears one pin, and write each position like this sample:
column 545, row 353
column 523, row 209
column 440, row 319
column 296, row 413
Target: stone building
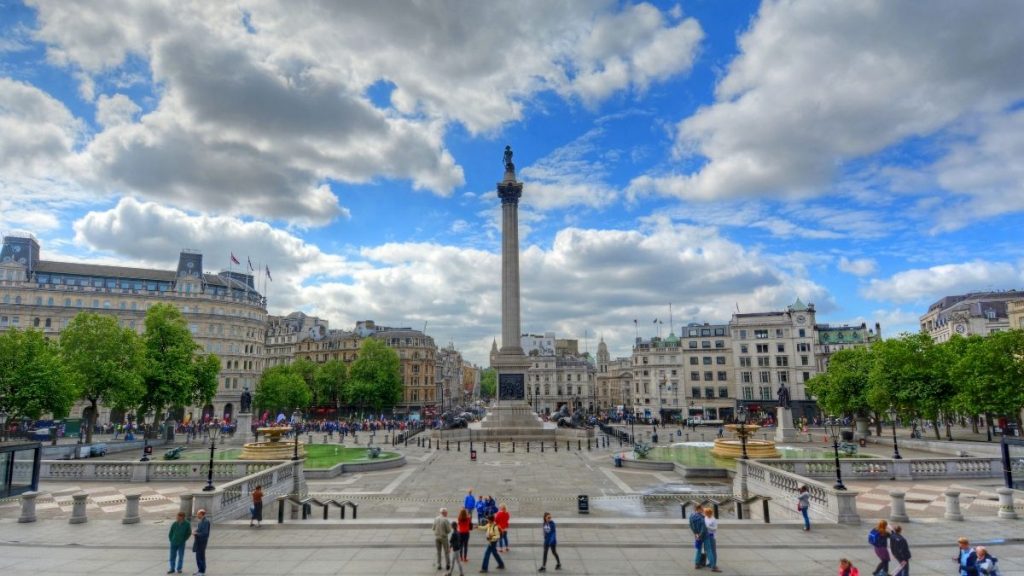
column 225, row 313
column 980, row 313
column 285, row 332
column 1015, row 314
column 554, row 380
column 832, row 339
column 613, row 382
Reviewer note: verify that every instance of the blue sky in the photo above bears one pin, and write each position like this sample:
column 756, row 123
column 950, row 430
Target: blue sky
column 863, row 156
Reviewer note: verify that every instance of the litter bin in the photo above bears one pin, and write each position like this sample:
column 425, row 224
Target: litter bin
column 583, row 504
column 618, row 460
column 472, row 455
column 847, row 435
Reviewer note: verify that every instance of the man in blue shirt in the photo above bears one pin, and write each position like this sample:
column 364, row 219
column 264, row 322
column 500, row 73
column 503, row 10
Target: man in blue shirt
column 469, row 503
column 967, row 558
column 700, row 533
column 202, row 537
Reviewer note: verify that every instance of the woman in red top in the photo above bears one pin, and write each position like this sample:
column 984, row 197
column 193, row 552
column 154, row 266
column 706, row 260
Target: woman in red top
column 465, row 525
column 501, row 519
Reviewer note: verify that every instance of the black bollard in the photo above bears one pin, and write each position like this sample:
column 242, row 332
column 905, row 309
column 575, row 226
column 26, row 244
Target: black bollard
column 579, row 444
column 588, row 444
column 527, row 446
column 485, row 447
column 542, row 446
column 555, row 445
column 458, row 446
column 499, row 447
column 513, row 446
column 715, row 506
column 447, row 448
column 767, row 519
column 280, row 511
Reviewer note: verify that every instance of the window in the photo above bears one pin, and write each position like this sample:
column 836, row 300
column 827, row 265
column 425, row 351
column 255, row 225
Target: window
column 745, row 361
column 780, row 347
column 719, row 331
column 706, row 360
column 709, row 392
column 762, row 348
column 695, row 391
column 67, row 301
column 39, row 300
column 47, row 322
column 783, row 376
column 779, row 333
column 748, row 393
column 807, row 376
column 761, row 334
column 743, row 334
column 746, row 377
column 693, row 343
column 709, row 376
column 719, row 343
column 694, row 361
column 782, row 360
column 803, row 333
column 705, row 332
column 803, row 347
column 744, row 349
column 763, row 361
column 766, row 393
column 764, row 377
column 803, row 360
column 723, row 392
column 720, row 360
column 722, row 376
column 705, row 344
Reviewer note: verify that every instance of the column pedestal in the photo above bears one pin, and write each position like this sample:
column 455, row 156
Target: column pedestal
column 784, row 431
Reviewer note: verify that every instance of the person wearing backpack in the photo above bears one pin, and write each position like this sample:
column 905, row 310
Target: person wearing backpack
column 986, row 562
column 878, row 538
column 493, row 534
column 803, row 504
column 900, row 549
column 455, row 543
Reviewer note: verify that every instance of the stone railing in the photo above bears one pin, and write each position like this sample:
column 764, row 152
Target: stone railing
column 132, row 471
column 232, row 500
column 883, row 469
column 758, row 478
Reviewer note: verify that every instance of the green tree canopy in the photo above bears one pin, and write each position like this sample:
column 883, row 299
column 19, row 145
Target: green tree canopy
column 488, row 383
column 376, row 376
column 281, row 388
column 843, row 388
column 989, row 372
column 330, row 385
column 105, row 363
column 33, row 381
column 174, row 375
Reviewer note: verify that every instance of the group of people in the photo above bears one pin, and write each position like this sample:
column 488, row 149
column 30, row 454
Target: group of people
column 452, row 536
column 179, row 534
column 890, row 544
column 704, row 526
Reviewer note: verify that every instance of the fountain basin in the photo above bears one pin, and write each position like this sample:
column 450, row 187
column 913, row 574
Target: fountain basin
column 273, row 448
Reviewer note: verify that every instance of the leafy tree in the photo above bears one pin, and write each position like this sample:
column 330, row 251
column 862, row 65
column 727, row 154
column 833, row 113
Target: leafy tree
column 906, row 375
column 33, row 381
column 281, row 388
column 989, row 371
column 330, row 385
column 174, row 375
column 104, row 361
column 488, row 383
column 843, row 388
column 376, row 376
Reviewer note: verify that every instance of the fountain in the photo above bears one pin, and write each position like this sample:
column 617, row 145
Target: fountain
column 273, row 448
column 733, row 448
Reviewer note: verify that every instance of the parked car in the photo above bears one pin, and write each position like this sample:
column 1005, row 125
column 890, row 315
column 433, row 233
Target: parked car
column 98, row 449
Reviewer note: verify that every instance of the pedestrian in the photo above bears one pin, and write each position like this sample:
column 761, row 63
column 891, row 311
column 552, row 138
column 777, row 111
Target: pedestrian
column 846, row 568
column 256, row 510
column 803, row 504
column 455, row 546
column 966, row 558
column 550, row 543
column 501, row 518
column 878, row 537
column 710, row 546
column 986, row 562
column 470, row 502
column 700, row 532
column 900, row 549
column 493, row 535
column 481, row 510
column 202, row 538
column 465, row 521
column 179, row 534
column 442, row 530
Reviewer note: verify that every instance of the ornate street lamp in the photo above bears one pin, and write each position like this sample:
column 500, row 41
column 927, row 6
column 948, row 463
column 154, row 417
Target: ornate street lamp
column 145, row 436
column 834, row 426
column 895, row 446
column 296, row 417
column 741, row 418
column 213, row 432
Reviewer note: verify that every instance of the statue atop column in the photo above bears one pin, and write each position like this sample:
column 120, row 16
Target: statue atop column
column 246, row 400
column 783, row 394
column 509, row 166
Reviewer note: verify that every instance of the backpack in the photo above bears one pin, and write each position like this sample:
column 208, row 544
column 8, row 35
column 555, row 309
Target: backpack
column 873, row 537
column 455, row 541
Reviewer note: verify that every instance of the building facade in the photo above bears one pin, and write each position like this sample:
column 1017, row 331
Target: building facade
column 225, row 313
column 975, row 313
column 1015, row 314
column 285, row 332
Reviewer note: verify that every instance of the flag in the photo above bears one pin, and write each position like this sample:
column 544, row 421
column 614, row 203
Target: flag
column 250, row 264
column 268, row 274
column 233, row 259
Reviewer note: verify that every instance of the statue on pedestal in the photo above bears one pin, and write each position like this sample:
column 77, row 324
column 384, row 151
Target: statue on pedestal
column 509, row 166
column 246, row 400
column 783, row 394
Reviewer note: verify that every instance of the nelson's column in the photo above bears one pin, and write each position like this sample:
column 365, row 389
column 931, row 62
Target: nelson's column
column 510, row 362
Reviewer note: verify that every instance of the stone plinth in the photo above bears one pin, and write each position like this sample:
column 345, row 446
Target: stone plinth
column 784, row 431
column 78, row 514
column 28, row 507
column 131, row 509
column 243, row 429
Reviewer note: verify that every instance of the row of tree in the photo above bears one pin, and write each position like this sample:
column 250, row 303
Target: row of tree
column 919, row 378
column 374, row 381
column 98, row 361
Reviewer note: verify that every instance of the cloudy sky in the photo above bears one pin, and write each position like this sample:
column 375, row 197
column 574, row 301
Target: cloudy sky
column 864, row 156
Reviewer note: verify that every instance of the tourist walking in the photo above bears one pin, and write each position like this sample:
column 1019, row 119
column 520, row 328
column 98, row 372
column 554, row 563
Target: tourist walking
column 550, row 543
column 900, row 549
column 179, row 534
column 442, row 530
column 465, row 524
column 700, row 532
column 256, row 510
column 493, row 534
column 803, row 504
column 501, row 518
column 986, row 562
column 846, row 568
column 966, row 558
column 202, row 538
column 710, row 546
column 469, row 503
column 455, row 544
column 878, row 537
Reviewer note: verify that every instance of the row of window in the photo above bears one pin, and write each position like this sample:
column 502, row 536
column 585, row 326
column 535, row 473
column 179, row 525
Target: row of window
column 709, row 392
column 710, row 376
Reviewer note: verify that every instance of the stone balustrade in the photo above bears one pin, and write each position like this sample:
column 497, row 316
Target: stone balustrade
column 232, row 500
column 887, row 469
column 757, row 477
column 152, row 471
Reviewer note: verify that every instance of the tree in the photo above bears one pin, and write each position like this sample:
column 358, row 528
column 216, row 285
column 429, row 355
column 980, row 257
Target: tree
column 174, row 375
column 843, row 388
column 906, row 375
column 306, row 369
column 488, row 383
column 989, row 371
column 32, row 377
column 281, row 388
column 330, row 385
column 376, row 376
column 104, row 362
